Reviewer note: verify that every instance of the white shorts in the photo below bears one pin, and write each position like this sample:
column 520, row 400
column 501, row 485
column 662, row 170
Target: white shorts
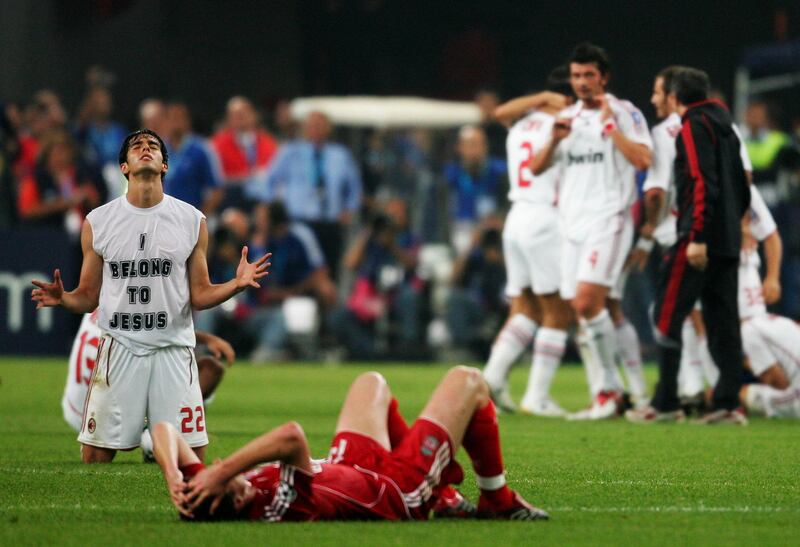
column 163, row 386
column 532, row 249
column 599, row 258
column 769, row 339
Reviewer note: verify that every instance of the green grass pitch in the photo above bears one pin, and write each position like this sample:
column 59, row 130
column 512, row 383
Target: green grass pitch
column 603, row 483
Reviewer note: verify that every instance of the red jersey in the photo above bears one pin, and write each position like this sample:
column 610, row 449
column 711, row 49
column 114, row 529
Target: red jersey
column 332, row 492
column 361, row 480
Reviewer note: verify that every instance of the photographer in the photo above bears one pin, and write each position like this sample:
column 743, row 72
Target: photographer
column 384, row 305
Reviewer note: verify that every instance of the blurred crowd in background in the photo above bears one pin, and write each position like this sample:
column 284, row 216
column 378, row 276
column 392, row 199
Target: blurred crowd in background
column 386, row 243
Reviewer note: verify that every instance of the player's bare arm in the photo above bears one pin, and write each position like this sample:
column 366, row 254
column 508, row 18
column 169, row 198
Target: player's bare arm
column 510, row 111
column 86, row 296
column 172, row 453
column 206, row 294
column 653, row 205
column 773, row 255
column 218, row 347
column 639, row 155
column 541, row 162
column 286, row 443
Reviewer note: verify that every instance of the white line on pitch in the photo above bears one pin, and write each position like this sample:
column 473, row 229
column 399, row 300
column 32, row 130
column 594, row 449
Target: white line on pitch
column 555, row 510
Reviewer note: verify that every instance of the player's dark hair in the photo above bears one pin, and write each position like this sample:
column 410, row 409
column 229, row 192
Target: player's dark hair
column 586, row 52
column 558, row 81
column 226, row 510
column 690, row 85
column 666, row 75
column 126, row 144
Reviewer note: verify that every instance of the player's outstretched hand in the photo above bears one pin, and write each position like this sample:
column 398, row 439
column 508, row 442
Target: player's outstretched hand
column 248, row 274
column 48, row 294
column 208, row 483
column 219, row 348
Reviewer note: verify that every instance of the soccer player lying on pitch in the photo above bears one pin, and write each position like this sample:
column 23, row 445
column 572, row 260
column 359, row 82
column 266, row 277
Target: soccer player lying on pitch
column 377, row 469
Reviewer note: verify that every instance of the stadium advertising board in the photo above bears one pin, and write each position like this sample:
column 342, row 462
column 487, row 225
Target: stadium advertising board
column 26, row 255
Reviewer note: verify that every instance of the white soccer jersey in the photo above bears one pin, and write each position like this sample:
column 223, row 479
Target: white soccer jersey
column 751, row 294
column 597, row 181
column 660, row 176
column 526, row 138
column 81, row 363
column 145, row 300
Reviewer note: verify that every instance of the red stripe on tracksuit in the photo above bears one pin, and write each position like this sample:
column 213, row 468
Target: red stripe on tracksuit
column 697, row 175
column 673, row 287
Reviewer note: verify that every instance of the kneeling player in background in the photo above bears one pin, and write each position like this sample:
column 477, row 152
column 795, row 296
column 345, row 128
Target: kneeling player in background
column 84, row 354
column 378, row 468
column 771, row 343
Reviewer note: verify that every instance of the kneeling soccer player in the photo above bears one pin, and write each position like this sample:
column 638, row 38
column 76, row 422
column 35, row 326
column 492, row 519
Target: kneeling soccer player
column 84, row 355
column 377, row 467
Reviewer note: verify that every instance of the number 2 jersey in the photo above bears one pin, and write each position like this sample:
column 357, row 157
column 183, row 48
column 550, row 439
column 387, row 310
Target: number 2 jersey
column 526, row 138
column 145, row 299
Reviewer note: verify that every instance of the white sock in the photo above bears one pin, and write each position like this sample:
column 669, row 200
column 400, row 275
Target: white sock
column 690, row 378
column 491, row 483
column 511, row 341
column 771, row 402
column 594, row 372
column 707, row 363
column 631, row 354
column 548, row 349
column 602, row 342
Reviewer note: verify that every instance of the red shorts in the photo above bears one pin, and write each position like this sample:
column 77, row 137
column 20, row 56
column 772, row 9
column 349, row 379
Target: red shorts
column 417, row 466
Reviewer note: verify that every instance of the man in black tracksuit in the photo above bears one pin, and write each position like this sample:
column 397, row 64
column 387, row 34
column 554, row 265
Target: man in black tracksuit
column 712, row 195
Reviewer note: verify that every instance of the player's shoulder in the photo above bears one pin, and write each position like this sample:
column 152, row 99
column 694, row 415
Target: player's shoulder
column 181, row 206
column 669, row 127
column 103, row 211
column 571, row 111
column 624, row 106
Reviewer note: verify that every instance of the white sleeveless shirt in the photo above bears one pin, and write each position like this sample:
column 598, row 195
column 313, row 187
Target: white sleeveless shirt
column 145, row 302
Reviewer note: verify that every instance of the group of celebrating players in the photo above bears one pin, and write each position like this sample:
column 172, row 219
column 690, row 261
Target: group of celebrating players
column 574, row 151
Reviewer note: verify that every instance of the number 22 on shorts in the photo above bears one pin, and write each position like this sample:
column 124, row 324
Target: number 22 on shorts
column 189, row 423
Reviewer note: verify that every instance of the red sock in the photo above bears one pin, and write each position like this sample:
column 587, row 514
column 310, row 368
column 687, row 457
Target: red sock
column 482, row 443
column 398, row 428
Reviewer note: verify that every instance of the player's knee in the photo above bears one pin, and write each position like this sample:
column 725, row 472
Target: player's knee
column 471, row 377
column 91, row 454
column 585, row 306
column 372, row 380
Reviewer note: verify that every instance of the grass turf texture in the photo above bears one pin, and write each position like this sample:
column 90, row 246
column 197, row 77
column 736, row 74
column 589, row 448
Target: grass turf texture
column 603, row 483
